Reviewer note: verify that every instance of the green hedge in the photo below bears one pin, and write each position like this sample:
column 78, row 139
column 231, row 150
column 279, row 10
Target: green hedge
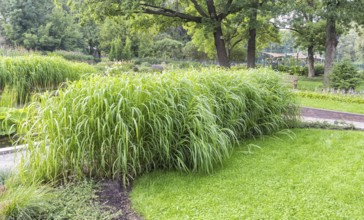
column 335, row 97
column 122, row 127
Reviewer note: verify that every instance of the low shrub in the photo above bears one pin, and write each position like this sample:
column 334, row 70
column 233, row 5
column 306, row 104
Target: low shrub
column 36, row 201
column 319, row 69
column 72, row 55
column 293, row 70
column 301, row 70
column 27, row 74
column 121, row 127
column 335, row 97
column 344, row 76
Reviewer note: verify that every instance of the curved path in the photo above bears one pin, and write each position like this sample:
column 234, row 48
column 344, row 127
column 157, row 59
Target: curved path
column 320, row 115
column 9, row 157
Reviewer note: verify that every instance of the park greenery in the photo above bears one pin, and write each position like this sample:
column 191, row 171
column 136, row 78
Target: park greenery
column 130, row 91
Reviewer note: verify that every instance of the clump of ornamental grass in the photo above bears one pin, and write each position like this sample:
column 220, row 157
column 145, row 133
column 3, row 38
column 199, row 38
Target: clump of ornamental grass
column 122, row 127
column 24, row 75
column 24, row 201
column 28, row 201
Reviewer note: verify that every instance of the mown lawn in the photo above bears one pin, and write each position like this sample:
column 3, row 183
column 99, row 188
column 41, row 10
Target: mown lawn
column 332, row 105
column 319, row 174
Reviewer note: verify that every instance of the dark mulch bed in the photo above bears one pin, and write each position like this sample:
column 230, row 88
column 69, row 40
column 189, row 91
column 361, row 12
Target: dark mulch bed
column 114, row 197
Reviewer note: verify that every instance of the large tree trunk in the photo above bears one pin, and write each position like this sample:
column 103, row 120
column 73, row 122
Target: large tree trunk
column 331, row 44
column 252, row 42
column 311, row 62
column 222, row 55
column 251, row 48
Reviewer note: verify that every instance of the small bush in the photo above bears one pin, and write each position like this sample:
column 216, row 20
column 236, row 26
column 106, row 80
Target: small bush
column 121, row 127
column 319, row 69
column 293, row 70
column 344, row 76
column 301, row 70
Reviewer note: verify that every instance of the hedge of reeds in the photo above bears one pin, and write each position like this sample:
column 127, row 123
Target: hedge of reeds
column 122, row 127
column 25, row 74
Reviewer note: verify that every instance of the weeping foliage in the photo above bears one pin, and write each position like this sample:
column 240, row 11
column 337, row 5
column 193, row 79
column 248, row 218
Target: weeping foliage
column 21, row 76
column 122, row 127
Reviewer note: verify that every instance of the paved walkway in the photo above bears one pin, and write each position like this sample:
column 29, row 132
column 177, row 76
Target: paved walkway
column 332, row 117
column 8, row 161
column 9, row 157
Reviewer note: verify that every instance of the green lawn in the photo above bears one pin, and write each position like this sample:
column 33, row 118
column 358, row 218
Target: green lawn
column 317, row 175
column 313, row 84
column 332, row 105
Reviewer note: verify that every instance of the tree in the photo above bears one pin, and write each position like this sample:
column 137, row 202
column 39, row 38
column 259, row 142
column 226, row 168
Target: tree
column 38, row 24
column 209, row 14
column 308, row 28
column 339, row 13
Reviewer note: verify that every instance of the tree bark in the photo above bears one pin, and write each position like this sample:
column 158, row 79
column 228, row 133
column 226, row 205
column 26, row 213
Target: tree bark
column 311, row 62
column 251, row 48
column 252, row 42
column 331, row 44
column 222, row 55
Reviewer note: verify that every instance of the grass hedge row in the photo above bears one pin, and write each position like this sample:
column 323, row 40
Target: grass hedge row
column 122, row 127
column 26, row 74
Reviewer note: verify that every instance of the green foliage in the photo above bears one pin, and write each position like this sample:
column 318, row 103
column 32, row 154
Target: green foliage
column 300, row 70
column 24, row 201
column 334, row 97
column 40, row 25
column 293, row 70
column 16, row 51
column 28, row 74
column 271, row 178
column 79, row 201
column 116, row 51
column 319, row 69
column 122, row 127
column 168, row 48
column 10, row 118
column 72, row 55
column 344, row 76
column 36, row 201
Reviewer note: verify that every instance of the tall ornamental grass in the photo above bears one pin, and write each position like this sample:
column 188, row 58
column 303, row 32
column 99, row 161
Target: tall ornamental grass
column 23, row 75
column 122, row 127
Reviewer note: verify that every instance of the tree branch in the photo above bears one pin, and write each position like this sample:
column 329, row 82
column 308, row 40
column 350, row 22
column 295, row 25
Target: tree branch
column 236, row 43
column 199, row 8
column 211, row 8
column 285, row 28
column 146, row 8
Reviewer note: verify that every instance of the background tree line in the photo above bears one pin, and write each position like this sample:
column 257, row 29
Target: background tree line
column 225, row 30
